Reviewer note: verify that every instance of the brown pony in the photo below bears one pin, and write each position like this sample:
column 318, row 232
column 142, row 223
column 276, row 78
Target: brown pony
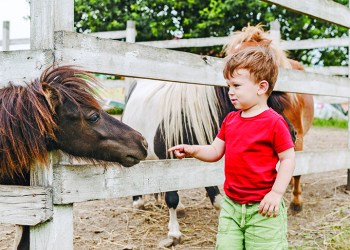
column 59, row 111
column 298, row 108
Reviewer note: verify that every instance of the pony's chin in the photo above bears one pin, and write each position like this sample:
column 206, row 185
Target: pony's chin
column 130, row 161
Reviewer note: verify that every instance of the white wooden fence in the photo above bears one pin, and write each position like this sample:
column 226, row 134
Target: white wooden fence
column 47, row 206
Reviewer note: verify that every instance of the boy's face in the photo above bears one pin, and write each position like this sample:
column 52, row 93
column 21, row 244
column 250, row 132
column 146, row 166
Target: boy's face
column 243, row 91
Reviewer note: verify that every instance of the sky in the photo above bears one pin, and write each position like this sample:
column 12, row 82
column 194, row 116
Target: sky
column 15, row 11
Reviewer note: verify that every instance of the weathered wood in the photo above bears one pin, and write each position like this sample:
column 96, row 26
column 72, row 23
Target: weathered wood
column 47, row 17
column 215, row 41
column 311, row 83
column 211, row 41
column 114, row 57
column 56, row 235
column 110, row 34
column 331, row 70
column 188, row 43
column 314, row 43
column 6, row 35
column 18, row 41
column 25, row 205
column 134, row 60
column 23, row 66
column 88, row 182
column 321, row 9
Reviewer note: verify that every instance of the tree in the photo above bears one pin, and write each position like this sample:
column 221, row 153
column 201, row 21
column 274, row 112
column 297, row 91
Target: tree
column 166, row 19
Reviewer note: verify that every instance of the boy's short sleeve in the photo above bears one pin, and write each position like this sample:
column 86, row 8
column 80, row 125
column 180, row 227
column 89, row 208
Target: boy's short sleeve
column 221, row 133
column 282, row 138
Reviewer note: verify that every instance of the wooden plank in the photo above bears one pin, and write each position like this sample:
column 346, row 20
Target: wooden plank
column 215, row 41
column 18, row 41
column 311, row 83
column 188, row 43
column 88, row 182
column 321, row 9
column 25, row 205
column 134, row 60
column 110, row 34
column 314, row 43
column 139, row 61
column 331, row 70
column 23, row 66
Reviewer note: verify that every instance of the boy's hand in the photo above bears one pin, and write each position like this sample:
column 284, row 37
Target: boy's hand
column 270, row 204
column 182, row 150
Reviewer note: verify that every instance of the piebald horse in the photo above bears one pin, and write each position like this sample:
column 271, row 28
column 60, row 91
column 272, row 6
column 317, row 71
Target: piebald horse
column 168, row 114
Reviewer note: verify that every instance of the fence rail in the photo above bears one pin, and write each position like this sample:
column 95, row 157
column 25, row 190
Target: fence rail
column 80, row 182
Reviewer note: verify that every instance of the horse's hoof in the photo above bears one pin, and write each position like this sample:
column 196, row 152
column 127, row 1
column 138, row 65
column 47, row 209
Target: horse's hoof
column 217, row 202
column 139, row 204
column 296, row 208
column 169, row 242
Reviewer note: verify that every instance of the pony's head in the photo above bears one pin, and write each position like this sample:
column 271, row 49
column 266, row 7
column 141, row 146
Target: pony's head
column 254, row 36
column 61, row 111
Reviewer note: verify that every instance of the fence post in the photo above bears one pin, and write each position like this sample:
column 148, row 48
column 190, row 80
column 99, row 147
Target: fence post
column 130, row 31
column 6, row 36
column 130, row 38
column 275, row 32
column 47, row 17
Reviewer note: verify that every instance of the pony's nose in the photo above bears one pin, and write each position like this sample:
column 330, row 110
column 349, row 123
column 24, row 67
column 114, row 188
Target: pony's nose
column 144, row 143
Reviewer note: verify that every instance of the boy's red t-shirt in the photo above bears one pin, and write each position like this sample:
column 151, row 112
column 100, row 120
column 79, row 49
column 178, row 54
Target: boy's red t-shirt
column 252, row 145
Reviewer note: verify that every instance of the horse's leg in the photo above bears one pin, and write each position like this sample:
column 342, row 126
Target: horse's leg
column 138, row 202
column 214, row 196
column 172, row 201
column 22, row 238
column 296, row 204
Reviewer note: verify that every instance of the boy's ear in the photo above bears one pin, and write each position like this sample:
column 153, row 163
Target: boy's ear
column 263, row 87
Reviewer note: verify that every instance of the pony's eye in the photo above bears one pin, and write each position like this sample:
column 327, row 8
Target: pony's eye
column 94, row 117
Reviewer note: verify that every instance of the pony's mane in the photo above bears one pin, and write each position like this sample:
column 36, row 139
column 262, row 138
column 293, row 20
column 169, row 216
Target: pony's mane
column 27, row 120
column 253, row 36
column 196, row 106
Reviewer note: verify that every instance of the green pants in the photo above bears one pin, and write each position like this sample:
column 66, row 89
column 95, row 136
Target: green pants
column 242, row 227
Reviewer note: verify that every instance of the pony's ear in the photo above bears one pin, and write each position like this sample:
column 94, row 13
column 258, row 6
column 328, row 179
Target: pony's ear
column 51, row 96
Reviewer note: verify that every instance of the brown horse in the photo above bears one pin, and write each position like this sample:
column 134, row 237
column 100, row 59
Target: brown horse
column 59, row 111
column 298, row 108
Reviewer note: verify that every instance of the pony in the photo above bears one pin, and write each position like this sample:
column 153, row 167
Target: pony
column 192, row 114
column 59, row 111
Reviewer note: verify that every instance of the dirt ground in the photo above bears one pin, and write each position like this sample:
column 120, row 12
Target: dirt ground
column 324, row 222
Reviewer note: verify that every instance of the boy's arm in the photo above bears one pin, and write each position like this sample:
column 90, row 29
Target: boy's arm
column 270, row 204
column 285, row 171
column 208, row 153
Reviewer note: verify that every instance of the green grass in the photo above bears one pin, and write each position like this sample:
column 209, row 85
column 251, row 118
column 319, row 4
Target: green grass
column 331, row 123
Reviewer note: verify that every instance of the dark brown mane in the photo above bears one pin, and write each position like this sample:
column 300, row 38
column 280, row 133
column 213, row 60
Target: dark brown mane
column 27, row 118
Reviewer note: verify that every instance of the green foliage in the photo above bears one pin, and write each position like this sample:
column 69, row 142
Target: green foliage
column 168, row 19
column 115, row 111
column 330, row 123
